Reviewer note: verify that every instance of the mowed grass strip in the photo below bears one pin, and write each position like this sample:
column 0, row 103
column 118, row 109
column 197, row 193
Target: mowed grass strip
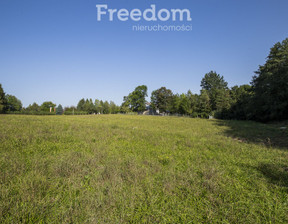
column 141, row 169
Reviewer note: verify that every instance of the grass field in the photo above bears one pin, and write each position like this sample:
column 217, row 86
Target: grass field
column 141, row 169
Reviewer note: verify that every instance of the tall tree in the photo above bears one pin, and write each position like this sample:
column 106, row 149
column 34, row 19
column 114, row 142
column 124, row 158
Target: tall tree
column 223, row 99
column 184, row 104
column 97, row 105
column 238, row 92
column 81, row 104
column 270, row 85
column 114, row 109
column 90, row 106
column 106, row 107
column 214, row 84
column 45, row 106
column 136, row 99
column 175, row 103
column 13, row 104
column 71, row 108
column 125, row 107
column 162, row 99
column 33, row 107
column 192, row 103
column 59, row 110
column 241, row 102
column 101, row 106
column 204, row 106
column 3, row 101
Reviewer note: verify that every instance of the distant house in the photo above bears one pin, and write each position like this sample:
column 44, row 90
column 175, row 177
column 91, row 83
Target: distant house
column 149, row 110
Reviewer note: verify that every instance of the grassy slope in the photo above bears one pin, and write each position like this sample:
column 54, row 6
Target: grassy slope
column 116, row 169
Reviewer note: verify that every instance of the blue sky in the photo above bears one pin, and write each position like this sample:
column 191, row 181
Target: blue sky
column 57, row 50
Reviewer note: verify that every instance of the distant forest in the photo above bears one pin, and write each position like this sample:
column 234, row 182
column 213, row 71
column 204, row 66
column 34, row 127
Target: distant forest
column 265, row 99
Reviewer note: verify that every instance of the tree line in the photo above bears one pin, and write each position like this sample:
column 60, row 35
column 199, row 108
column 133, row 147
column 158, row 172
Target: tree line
column 215, row 99
column 265, row 99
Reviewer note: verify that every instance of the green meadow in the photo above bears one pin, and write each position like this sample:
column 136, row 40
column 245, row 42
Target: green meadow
column 141, row 169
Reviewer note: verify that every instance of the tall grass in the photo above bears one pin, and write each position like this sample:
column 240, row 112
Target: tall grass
column 140, row 169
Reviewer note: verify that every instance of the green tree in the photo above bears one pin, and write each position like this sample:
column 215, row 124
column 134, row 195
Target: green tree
column 214, row 84
column 45, row 106
column 192, row 103
column 114, row 109
column 238, row 92
column 125, row 107
column 33, row 107
column 162, row 99
column 175, row 103
column 106, row 107
column 70, row 109
column 59, row 110
column 270, row 85
column 184, row 104
column 97, row 105
column 223, row 100
column 86, row 105
column 81, row 105
column 3, row 100
column 101, row 107
column 89, row 106
column 136, row 100
column 13, row 104
column 241, row 102
column 204, row 106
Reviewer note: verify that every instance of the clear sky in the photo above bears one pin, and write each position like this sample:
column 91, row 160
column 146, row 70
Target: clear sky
column 56, row 50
